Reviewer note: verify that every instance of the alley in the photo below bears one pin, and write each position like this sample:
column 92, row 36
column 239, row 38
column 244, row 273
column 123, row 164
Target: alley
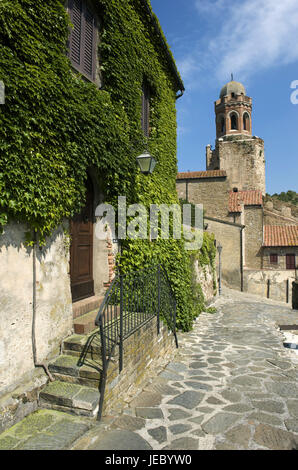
column 232, row 385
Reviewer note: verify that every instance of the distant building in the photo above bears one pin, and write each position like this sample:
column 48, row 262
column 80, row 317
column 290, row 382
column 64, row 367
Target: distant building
column 259, row 243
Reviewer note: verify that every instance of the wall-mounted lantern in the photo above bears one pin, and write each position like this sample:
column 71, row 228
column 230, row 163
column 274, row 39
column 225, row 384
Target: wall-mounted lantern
column 146, row 163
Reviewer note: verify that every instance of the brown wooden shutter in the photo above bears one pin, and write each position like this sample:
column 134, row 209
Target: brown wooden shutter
column 273, row 258
column 75, row 7
column 290, row 261
column 83, row 38
column 88, row 43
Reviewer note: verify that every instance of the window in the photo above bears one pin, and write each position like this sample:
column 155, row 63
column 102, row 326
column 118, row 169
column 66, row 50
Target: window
column 146, row 110
column 82, row 42
column 246, row 122
column 273, row 258
column 290, row 262
column 234, row 122
column 223, row 125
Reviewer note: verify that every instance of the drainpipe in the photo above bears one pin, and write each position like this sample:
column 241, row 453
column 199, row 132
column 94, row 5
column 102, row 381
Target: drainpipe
column 241, row 258
column 36, row 364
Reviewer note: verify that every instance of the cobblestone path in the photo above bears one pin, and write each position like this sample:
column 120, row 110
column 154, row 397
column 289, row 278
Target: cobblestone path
column 232, row 385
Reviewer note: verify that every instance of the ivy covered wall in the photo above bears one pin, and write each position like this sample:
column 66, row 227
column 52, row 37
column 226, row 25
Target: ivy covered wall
column 55, row 125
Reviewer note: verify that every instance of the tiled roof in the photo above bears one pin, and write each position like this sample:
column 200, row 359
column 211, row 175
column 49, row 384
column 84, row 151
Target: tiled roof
column 280, row 235
column 248, row 198
column 201, row 174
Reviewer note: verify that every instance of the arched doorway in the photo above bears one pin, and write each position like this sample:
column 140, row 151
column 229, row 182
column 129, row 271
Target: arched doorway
column 81, row 251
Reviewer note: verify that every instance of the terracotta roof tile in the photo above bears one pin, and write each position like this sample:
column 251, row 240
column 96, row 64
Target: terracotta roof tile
column 201, row 174
column 280, row 235
column 248, row 198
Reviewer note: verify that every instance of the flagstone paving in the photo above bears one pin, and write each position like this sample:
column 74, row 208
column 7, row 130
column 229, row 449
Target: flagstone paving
column 232, row 385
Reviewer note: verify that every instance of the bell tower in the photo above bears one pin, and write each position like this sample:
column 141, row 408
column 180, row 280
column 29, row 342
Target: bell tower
column 237, row 151
column 233, row 111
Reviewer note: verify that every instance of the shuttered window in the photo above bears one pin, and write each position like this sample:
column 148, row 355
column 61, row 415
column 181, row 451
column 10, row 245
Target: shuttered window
column 146, row 110
column 290, row 261
column 82, row 43
column 273, row 258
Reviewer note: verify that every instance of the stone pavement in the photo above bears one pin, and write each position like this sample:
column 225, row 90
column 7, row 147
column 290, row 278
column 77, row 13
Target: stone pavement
column 232, row 385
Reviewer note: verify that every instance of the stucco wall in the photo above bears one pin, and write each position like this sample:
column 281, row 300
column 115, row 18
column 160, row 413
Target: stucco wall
column 253, row 237
column 256, row 282
column 213, row 193
column 54, row 305
column 229, row 237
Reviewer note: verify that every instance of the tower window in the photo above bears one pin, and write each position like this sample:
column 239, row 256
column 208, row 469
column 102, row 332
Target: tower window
column 246, row 122
column 222, row 125
column 234, row 122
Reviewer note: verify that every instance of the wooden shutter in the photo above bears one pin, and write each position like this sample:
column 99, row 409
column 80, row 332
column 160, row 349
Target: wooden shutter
column 83, row 38
column 290, row 261
column 273, row 258
column 89, row 43
column 76, row 16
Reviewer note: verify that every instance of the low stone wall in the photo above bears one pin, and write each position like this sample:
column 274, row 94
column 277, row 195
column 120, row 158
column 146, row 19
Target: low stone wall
column 256, row 282
column 145, row 353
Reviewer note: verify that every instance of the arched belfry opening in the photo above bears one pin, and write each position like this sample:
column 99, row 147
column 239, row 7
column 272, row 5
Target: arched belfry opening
column 234, row 121
column 246, row 122
column 223, row 125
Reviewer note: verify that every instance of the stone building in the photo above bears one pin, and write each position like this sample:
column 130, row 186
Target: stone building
column 50, row 294
column 260, row 243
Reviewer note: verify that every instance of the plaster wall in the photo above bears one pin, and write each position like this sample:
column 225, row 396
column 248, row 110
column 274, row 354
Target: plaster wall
column 229, row 237
column 54, row 319
column 256, row 282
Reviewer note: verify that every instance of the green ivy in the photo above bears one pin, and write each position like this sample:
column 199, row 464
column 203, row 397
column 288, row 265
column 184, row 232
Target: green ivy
column 55, row 126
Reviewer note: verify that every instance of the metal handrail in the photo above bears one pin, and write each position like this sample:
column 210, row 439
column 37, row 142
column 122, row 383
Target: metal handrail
column 131, row 301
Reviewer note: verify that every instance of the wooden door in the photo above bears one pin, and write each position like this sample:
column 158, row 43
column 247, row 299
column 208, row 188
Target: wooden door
column 81, row 251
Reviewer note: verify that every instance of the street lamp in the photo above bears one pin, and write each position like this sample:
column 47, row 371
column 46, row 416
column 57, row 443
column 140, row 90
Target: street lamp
column 146, row 163
column 219, row 249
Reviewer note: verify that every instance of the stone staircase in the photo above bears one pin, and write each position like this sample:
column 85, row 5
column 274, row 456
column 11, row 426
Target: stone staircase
column 77, row 371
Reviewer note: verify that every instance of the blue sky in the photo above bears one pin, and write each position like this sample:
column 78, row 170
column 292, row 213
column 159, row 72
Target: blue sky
column 257, row 41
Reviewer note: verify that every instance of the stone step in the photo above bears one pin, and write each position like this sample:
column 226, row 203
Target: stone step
column 85, row 324
column 71, row 398
column 86, row 305
column 84, row 346
column 71, row 369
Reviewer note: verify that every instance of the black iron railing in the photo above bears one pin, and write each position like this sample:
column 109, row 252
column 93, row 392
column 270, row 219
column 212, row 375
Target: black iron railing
column 132, row 300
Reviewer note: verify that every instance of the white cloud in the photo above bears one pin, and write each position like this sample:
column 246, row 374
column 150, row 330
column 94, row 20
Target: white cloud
column 247, row 36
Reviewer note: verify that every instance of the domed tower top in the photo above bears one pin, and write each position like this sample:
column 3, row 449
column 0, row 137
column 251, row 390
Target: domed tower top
column 233, row 111
column 232, row 87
